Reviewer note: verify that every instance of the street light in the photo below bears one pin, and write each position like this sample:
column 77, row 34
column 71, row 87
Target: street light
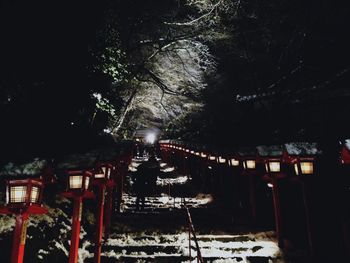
column 151, row 138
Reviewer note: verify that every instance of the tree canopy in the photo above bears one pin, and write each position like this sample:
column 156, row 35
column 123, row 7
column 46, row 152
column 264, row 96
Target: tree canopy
column 244, row 71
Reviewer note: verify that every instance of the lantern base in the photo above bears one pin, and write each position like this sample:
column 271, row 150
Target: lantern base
column 32, row 209
column 84, row 194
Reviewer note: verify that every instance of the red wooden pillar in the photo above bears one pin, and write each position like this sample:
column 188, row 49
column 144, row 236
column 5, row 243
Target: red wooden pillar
column 76, row 218
column 108, row 211
column 19, row 238
column 99, row 230
column 277, row 210
column 308, row 219
column 252, row 197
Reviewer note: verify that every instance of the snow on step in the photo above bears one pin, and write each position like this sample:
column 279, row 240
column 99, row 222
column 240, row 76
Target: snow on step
column 164, row 202
column 213, row 247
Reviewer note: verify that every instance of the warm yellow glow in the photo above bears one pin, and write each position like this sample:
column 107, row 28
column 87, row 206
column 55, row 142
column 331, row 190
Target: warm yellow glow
column 307, row 167
column 275, row 166
column 34, row 194
column 99, row 175
column 296, row 169
column 203, row 155
column 234, row 162
column 187, row 150
column 18, row 194
column 192, row 152
column 87, row 181
column 75, row 181
column 197, row 153
column 221, row 160
column 250, row 164
column 212, row 158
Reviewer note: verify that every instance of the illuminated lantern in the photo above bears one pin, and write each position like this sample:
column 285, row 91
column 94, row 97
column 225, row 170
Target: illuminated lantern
column 249, row 164
column 302, row 156
column 78, row 169
column 234, row 162
column 102, row 175
column 272, row 156
column 304, row 167
column 212, row 158
column 203, row 155
column 221, row 160
column 23, row 198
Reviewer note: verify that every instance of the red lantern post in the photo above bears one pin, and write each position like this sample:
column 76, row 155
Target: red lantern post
column 102, row 179
column 79, row 182
column 302, row 156
column 272, row 158
column 23, row 198
column 249, row 163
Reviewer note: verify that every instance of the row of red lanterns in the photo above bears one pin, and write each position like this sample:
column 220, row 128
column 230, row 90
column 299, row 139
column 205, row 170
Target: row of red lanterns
column 24, row 198
column 302, row 166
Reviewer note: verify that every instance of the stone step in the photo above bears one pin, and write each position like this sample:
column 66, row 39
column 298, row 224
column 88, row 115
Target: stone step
column 172, row 247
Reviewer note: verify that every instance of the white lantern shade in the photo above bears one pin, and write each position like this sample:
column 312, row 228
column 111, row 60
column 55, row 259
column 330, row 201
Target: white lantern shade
column 274, row 166
column 234, row 162
column 306, row 167
column 221, row 160
column 212, row 158
column 75, row 181
column 18, row 194
column 34, row 194
column 296, row 169
column 87, row 182
column 250, row 164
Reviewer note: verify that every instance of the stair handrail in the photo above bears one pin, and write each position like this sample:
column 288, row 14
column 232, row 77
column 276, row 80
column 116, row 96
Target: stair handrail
column 191, row 230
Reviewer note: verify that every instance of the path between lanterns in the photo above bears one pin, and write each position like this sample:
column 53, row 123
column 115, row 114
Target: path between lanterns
column 159, row 233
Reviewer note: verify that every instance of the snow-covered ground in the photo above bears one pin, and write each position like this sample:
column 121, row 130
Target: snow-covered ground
column 220, row 248
column 167, row 202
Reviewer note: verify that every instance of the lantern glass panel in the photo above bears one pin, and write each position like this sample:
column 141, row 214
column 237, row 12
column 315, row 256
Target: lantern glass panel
column 307, row 167
column 296, row 169
column 234, row 162
column 250, row 164
column 222, row 160
column 75, row 181
column 100, row 175
column 87, row 181
column 275, row 167
column 34, row 194
column 18, row 194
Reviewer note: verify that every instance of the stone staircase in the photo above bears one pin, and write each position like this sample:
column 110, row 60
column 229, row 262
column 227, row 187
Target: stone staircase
column 159, row 233
column 141, row 247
